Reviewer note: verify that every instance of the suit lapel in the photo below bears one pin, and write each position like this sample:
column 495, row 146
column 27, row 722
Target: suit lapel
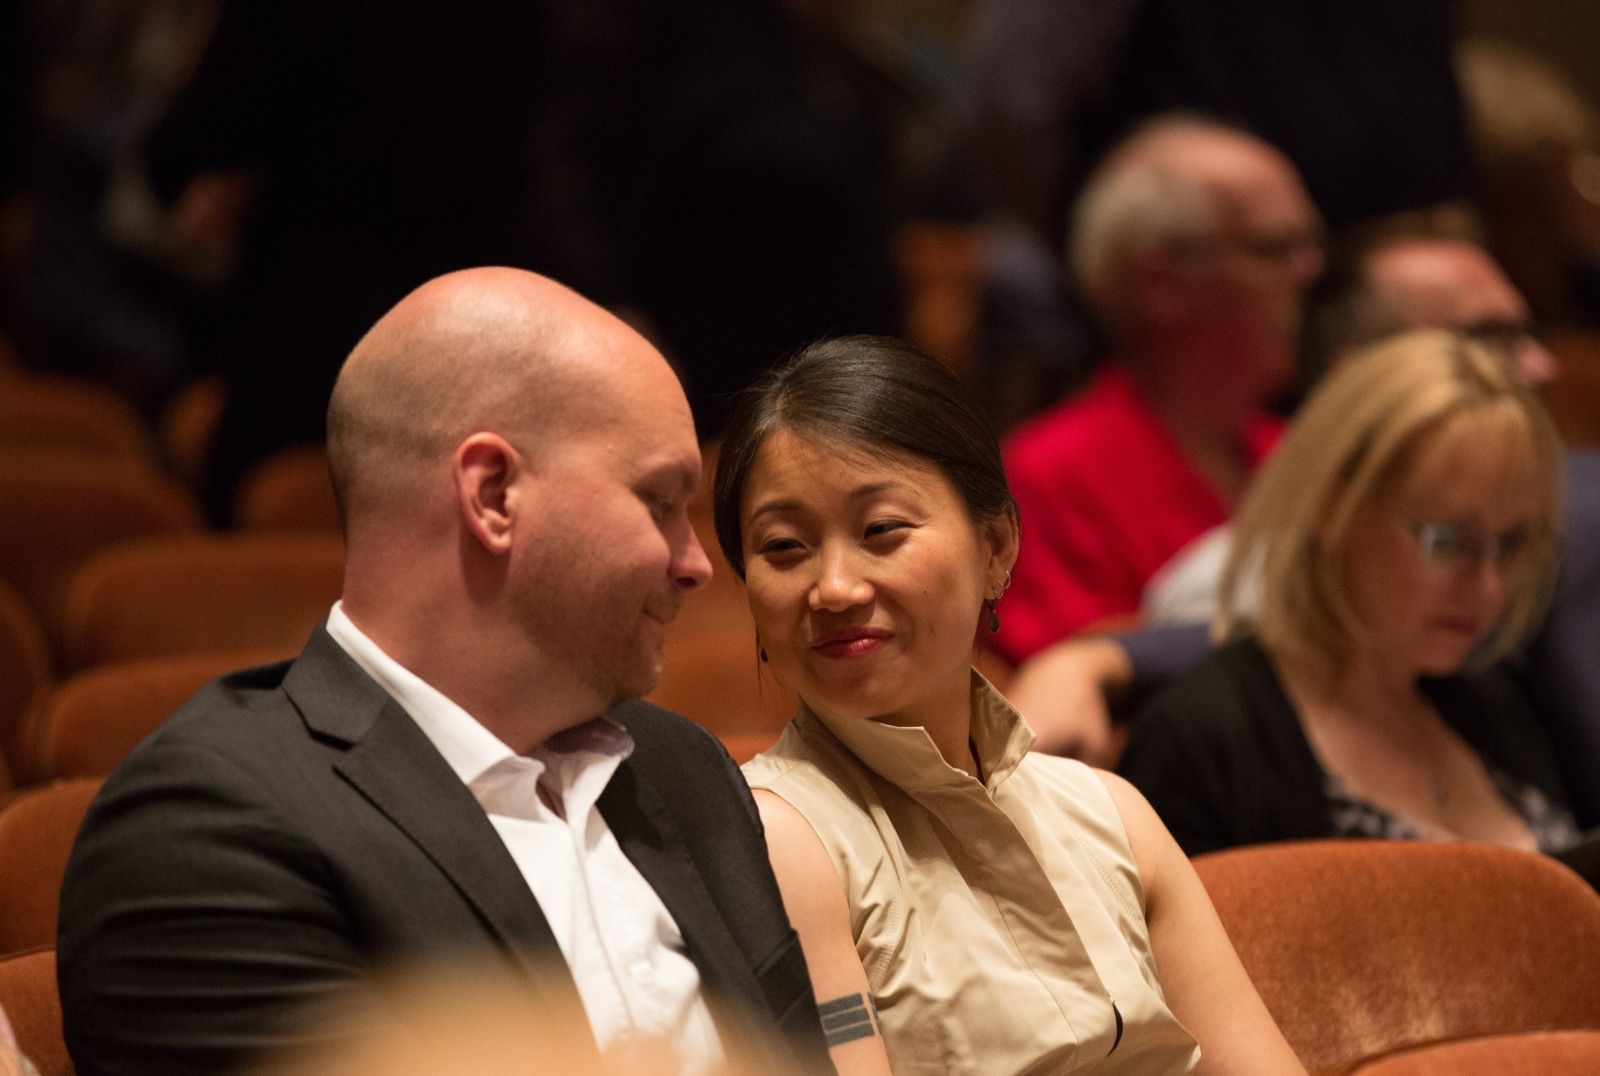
column 390, row 761
column 639, row 819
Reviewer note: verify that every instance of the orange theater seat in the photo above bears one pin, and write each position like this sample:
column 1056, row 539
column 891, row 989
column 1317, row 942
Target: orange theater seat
column 188, row 426
column 1362, row 949
column 24, row 676
column 715, row 679
column 292, row 491
column 66, row 415
column 32, row 1003
column 56, row 511
column 37, row 829
column 199, row 593
column 89, row 722
column 1547, row 1053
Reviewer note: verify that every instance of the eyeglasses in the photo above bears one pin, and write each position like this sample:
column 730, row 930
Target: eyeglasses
column 1281, row 246
column 1458, row 548
column 1504, row 338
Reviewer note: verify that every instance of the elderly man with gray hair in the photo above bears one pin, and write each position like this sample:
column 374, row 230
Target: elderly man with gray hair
column 1195, row 242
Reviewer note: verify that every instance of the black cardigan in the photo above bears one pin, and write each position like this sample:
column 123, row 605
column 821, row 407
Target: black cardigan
column 1222, row 757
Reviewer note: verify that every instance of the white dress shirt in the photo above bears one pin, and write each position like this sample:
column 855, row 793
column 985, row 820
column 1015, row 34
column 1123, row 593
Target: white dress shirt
column 621, row 944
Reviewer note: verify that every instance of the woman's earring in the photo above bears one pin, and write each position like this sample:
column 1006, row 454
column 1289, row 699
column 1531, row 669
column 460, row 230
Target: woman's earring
column 992, row 604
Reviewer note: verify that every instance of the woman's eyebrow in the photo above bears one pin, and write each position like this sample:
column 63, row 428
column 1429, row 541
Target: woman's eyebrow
column 861, row 492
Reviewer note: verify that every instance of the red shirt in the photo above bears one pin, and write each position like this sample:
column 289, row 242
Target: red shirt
column 1107, row 498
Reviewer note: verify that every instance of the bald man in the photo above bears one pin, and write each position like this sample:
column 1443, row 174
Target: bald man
column 452, row 769
column 1410, row 282
column 1195, row 243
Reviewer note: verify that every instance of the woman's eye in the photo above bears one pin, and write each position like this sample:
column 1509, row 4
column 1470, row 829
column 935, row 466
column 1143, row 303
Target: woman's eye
column 885, row 526
column 776, row 546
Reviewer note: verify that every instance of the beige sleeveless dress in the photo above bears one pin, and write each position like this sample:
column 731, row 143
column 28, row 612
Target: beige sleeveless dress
column 1001, row 925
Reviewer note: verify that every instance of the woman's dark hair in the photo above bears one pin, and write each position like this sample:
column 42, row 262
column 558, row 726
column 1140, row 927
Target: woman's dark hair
column 873, row 394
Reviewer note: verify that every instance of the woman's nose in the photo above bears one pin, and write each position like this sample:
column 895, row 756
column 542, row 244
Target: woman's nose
column 839, row 584
column 1490, row 578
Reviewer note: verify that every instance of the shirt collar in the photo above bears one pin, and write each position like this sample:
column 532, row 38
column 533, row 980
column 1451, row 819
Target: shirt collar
column 907, row 757
column 466, row 745
column 459, row 737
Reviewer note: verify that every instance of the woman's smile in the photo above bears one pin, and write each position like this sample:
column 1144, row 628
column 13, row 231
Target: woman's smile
column 851, row 642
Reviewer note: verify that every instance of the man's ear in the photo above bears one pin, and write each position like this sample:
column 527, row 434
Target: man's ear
column 486, row 467
column 1162, row 279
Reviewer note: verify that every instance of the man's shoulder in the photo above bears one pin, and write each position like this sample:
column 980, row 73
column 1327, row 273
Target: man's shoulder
column 663, row 737
column 255, row 724
column 683, row 760
column 239, row 708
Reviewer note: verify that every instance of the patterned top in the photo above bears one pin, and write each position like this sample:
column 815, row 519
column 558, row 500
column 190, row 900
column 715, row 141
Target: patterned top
column 1001, row 924
column 1551, row 825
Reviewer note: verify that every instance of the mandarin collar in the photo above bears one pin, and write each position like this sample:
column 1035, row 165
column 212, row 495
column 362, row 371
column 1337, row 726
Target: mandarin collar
column 906, row 756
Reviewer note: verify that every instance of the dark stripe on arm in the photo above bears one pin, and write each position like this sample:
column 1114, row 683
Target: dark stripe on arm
column 847, row 1019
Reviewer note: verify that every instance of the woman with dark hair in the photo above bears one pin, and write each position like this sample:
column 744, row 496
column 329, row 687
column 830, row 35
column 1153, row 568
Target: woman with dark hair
column 982, row 908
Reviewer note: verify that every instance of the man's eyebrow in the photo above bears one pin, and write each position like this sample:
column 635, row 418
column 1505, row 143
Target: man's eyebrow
column 688, row 477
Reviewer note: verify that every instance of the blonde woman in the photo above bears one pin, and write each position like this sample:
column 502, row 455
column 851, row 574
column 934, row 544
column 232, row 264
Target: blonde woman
column 1403, row 538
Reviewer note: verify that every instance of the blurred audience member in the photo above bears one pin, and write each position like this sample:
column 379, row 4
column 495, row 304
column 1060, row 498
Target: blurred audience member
column 1403, row 283
column 472, row 1021
column 100, row 71
column 1425, row 282
column 1399, row 284
column 744, row 155
column 12, row 1061
column 1361, row 96
column 1403, row 537
column 1537, row 143
column 366, row 146
column 15, row 105
column 1196, row 243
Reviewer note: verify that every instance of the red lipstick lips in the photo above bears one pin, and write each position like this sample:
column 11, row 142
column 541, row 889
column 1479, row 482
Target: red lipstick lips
column 850, row 642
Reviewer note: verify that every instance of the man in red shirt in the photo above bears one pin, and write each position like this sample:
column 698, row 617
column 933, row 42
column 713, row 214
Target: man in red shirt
column 1195, row 242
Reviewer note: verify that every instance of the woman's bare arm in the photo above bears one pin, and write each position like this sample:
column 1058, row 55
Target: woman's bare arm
column 1201, row 976
column 814, row 899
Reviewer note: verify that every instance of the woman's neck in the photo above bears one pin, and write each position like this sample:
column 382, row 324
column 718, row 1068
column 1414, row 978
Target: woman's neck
column 946, row 714
column 1369, row 697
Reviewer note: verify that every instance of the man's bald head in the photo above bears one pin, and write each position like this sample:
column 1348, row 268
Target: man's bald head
column 1426, row 282
column 501, row 350
column 515, row 466
column 1181, row 184
column 1443, row 283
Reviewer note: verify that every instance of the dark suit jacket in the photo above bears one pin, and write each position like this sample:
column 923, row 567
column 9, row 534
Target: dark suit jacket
column 291, row 828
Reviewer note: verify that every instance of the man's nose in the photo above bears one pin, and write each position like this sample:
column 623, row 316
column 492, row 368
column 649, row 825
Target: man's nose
column 692, row 568
column 1308, row 263
column 1535, row 363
